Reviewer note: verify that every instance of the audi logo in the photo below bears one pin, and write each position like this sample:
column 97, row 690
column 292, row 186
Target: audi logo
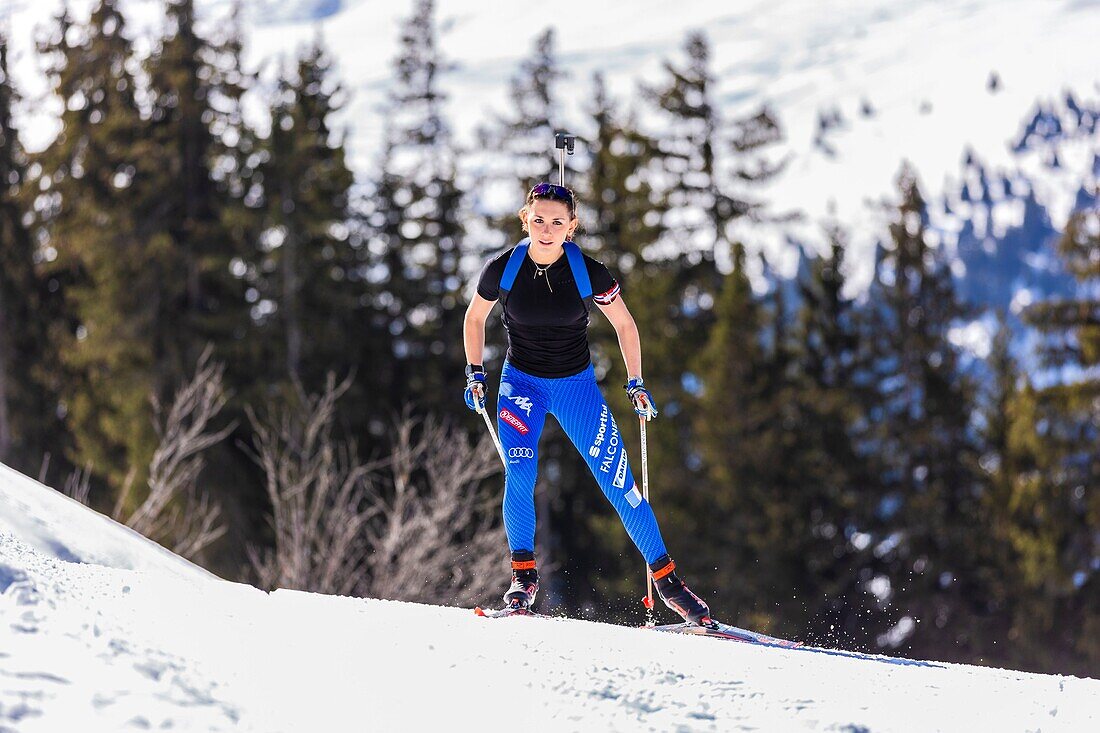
column 521, row 453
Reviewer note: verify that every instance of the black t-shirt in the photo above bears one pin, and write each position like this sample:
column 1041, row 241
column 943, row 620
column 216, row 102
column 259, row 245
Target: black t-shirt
column 546, row 320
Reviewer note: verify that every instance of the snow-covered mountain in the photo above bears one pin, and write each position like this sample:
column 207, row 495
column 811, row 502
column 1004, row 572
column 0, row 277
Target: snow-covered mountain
column 858, row 86
column 130, row 641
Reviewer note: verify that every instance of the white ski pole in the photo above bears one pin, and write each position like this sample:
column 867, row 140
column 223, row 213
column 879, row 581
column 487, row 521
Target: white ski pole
column 493, row 434
column 648, row 601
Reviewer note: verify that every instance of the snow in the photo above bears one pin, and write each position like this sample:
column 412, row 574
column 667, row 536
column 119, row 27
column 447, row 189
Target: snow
column 58, row 527
column 91, row 647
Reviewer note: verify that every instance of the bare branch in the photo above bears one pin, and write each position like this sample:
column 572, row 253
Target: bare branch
column 178, row 461
column 317, row 489
column 438, row 536
column 414, row 526
column 78, row 484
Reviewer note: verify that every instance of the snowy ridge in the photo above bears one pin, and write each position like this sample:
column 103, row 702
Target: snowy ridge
column 56, row 526
column 98, row 648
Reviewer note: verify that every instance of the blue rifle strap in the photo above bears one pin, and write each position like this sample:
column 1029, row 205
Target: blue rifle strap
column 580, row 271
column 515, row 261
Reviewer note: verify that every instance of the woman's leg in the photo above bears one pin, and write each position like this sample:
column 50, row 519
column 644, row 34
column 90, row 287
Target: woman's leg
column 581, row 409
column 521, row 411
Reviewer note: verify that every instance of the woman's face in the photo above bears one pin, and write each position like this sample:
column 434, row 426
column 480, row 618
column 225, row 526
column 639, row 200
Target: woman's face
column 549, row 223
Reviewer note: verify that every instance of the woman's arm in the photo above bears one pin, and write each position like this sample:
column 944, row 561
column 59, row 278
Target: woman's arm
column 473, row 328
column 627, row 330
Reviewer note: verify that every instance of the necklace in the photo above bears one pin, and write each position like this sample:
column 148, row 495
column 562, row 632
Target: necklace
column 541, row 270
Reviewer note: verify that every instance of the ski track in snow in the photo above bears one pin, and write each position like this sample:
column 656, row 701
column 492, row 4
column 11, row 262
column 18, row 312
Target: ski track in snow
column 94, row 648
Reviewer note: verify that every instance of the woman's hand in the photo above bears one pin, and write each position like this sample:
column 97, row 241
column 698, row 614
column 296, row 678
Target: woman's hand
column 640, row 398
column 475, row 387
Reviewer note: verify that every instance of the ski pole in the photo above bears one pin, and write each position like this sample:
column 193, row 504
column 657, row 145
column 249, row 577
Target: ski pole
column 493, row 434
column 648, row 600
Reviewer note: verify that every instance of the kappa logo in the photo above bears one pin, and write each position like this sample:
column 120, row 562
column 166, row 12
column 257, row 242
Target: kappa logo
column 523, row 403
column 521, row 453
column 514, row 421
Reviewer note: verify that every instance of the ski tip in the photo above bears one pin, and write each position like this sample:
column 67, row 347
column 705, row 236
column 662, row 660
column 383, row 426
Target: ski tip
column 478, row 611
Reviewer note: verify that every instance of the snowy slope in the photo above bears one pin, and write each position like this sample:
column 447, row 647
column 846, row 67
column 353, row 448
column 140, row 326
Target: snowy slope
column 56, row 526
column 895, row 80
column 94, row 648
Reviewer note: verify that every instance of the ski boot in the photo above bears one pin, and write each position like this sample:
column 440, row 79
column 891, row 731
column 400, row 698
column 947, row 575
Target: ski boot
column 525, row 580
column 676, row 595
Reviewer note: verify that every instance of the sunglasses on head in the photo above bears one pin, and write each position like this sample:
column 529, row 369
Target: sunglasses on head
column 553, row 191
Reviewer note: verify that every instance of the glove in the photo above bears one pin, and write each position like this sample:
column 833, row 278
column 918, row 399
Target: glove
column 640, row 397
column 475, row 387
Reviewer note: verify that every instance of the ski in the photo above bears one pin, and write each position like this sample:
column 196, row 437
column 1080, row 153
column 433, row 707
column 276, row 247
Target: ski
column 720, row 630
column 508, row 611
column 715, row 629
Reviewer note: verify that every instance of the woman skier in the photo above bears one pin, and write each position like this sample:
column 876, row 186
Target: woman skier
column 544, row 284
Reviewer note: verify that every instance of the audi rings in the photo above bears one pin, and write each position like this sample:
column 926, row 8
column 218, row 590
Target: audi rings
column 521, row 453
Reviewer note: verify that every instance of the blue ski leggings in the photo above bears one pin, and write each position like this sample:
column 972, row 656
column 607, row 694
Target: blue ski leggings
column 582, row 411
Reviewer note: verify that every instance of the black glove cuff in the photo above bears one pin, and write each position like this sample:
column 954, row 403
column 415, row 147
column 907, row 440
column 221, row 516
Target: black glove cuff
column 474, row 369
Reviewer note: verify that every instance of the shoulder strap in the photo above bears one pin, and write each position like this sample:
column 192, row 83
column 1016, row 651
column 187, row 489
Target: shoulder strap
column 580, row 270
column 515, row 261
column 576, row 265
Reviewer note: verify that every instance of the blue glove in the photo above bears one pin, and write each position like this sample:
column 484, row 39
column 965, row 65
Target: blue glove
column 641, row 398
column 475, row 387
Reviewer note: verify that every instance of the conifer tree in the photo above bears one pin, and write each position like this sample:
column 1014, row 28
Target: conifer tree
column 923, row 441
column 102, row 214
column 831, row 483
column 732, row 413
column 517, row 152
column 419, row 205
column 706, row 165
column 201, row 145
column 27, row 406
column 307, row 295
column 1052, row 497
column 518, row 144
column 709, row 161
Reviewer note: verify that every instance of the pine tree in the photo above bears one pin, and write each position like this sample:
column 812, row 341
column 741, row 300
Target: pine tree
column 196, row 86
column 518, row 145
column 307, row 296
column 102, row 214
column 419, row 205
column 830, row 495
column 27, row 407
column 922, row 439
column 1053, row 505
column 518, row 152
column 732, row 420
column 706, row 158
column 706, row 165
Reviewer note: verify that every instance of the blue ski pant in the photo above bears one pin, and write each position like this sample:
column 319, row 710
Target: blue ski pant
column 583, row 414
